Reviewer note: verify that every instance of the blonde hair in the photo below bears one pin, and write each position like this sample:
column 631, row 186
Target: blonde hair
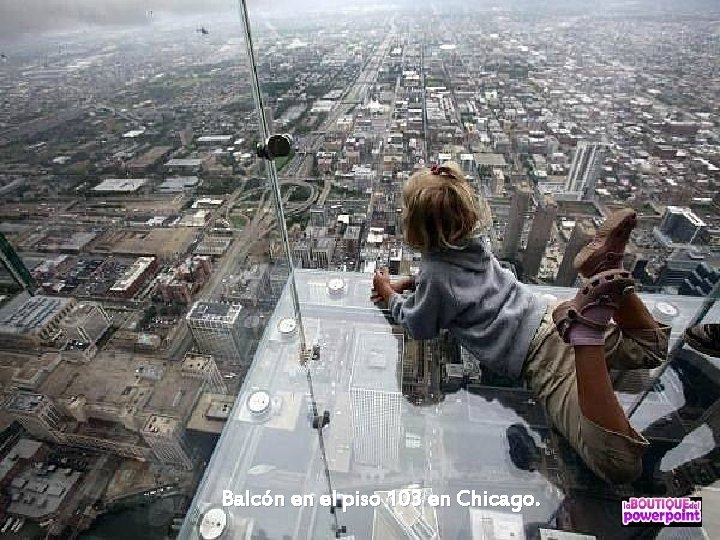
column 441, row 209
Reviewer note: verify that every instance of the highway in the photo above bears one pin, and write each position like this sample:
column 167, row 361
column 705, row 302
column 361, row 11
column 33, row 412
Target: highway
column 264, row 219
column 257, row 229
column 354, row 94
column 236, row 257
column 325, row 192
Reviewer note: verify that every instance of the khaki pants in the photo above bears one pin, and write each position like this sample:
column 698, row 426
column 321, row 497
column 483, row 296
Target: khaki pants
column 549, row 371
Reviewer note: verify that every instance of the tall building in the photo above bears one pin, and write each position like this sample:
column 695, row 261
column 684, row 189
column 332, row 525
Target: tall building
column 203, row 367
column 539, row 235
column 700, row 282
column 516, row 220
column 581, row 235
column 395, row 259
column 322, row 252
column 318, row 216
column 422, row 365
column 302, row 253
column 395, row 520
column 351, row 239
column 270, row 118
column 497, row 182
column 87, row 323
column 585, row 169
column 681, row 225
column 14, row 265
column 217, row 330
column 251, row 287
column 134, row 277
column 186, row 136
column 492, row 525
column 37, row 414
column 165, row 436
column 363, row 177
column 26, row 323
column 376, row 399
column 104, row 406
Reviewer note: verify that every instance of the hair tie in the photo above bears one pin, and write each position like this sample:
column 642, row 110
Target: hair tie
column 440, row 170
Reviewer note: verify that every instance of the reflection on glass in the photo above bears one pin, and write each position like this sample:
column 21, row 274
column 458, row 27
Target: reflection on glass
column 409, row 416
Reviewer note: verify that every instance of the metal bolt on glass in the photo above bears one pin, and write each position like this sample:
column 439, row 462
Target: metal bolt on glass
column 277, row 143
column 276, row 146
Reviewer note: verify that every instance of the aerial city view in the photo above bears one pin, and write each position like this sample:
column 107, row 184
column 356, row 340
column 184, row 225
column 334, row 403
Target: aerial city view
column 174, row 339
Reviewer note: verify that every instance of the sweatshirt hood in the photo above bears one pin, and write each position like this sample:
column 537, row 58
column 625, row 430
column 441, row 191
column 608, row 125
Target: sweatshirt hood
column 474, row 255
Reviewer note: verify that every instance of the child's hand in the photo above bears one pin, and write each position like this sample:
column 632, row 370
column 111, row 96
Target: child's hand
column 403, row 284
column 382, row 288
column 398, row 286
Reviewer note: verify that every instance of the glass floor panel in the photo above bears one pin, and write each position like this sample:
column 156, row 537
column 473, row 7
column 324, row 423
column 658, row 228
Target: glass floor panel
column 408, row 420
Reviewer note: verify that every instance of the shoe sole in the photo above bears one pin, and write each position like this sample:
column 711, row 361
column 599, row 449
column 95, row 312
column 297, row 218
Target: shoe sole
column 620, row 222
column 602, row 289
column 699, row 347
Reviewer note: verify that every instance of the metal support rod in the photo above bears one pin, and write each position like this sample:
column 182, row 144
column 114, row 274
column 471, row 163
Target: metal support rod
column 272, row 175
column 321, row 441
column 270, row 168
column 700, row 314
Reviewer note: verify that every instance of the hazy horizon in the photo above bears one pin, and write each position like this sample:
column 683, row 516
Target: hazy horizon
column 20, row 19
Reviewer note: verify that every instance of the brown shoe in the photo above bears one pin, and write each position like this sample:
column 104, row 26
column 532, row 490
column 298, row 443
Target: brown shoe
column 607, row 288
column 704, row 338
column 607, row 249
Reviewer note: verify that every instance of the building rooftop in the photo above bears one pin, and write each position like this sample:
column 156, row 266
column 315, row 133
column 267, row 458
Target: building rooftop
column 179, row 183
column 31, row 314
column 36, row 493
column 190, row 162
column 174, row 394
column 214, row 311
column 211, row 413
column 688, row 214
column 195, row 363
column 24, row 449
column 26, row 369
column 133, row 133
column 80, row 313
column 124, row 383
column 215, row 139
column 161, row 425
column 160, row 242
column 378, row 357
column 121, row 185
column 25, row 402
column 132, row 274
column 490, row 160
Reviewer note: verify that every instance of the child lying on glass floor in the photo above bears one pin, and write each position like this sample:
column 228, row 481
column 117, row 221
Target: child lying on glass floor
column 562, row 352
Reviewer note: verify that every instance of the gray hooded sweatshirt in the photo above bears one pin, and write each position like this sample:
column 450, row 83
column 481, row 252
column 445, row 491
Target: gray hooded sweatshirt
column 483, row 305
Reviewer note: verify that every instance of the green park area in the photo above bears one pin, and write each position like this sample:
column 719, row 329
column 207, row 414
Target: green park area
column 297, row 193
column 282, row 161
column 238, row 221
